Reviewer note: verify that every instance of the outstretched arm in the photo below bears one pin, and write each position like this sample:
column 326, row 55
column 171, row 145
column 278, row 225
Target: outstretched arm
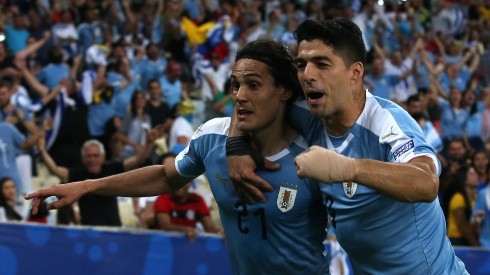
column 415, row 181
column 147, row 181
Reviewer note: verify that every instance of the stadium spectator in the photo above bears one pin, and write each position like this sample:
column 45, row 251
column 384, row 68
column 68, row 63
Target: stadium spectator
column 153, row 65
column 223, row 101
column 12, row 141
column 401, row 66
column 182, row 210
column 136, row 124
column 181, row 131
column 415, row 106
column 61, row 108
column 214, row 76
column 479, row 161
column 8, row 200
column 94, row 209
column 16, row 33
column 158, row 109
column 378, row 81
column 65, row 34
column 453, row 114
column 454, row 157
column 56, row 70
column 459, row 198
column 23, row 119
column 173, row 90
column 473, row 126
column 90, row 30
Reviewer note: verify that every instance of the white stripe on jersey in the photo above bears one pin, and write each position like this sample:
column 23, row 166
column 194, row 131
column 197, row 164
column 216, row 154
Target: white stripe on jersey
column 219, row 126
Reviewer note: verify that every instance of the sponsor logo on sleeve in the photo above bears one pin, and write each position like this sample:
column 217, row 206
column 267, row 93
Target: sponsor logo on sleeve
column 403, row 149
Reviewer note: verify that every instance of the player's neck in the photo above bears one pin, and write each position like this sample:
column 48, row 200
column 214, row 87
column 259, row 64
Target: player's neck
column 341, row 122
column 273, row 140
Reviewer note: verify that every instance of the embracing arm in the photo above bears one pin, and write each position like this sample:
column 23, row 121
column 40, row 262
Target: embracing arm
column 415, row 181
column 241, row 167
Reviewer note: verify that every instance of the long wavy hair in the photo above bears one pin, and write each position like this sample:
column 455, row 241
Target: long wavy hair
column 9, row 210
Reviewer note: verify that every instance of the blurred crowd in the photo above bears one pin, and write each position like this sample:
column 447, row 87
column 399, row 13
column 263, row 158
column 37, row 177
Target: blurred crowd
column 139, row 77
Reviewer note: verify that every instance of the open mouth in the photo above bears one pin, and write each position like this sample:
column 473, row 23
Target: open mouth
column 314, row 95
column 243, row 112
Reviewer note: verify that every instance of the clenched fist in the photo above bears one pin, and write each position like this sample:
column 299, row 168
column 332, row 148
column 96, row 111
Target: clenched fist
column 325, row 165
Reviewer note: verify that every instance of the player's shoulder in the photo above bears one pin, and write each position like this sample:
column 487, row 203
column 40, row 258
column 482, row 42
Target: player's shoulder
column 217, row 126
column 380, row 115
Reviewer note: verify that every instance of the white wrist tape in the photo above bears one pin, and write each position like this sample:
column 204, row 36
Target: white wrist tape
column 325, row 165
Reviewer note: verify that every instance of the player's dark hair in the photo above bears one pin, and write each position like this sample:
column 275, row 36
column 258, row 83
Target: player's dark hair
column 342, row 35
column 279, row 60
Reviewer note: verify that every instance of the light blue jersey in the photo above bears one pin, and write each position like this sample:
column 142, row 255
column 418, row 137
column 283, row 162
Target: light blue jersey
column 11, row 140
column 283, row 236
column 382, row 235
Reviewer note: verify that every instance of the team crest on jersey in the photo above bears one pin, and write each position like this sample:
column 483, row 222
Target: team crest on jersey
column 286, row 198
column 350, row 189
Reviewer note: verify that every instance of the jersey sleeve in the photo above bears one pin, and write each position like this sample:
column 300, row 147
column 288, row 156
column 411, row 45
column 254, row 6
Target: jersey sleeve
column 406, row 139
column 212, row 134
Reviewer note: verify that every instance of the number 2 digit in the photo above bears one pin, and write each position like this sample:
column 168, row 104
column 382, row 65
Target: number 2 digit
column 242, row 211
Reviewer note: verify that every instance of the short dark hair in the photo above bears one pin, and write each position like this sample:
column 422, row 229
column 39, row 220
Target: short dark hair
column 413, row 98
column 279, row 60
column 342, row 35
column 151, row 81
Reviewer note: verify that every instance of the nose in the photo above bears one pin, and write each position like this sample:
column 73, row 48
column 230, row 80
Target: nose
column 309, row 73
column 241, row 95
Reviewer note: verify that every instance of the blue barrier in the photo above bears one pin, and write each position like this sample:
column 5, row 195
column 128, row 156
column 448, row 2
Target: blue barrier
column 40, row 249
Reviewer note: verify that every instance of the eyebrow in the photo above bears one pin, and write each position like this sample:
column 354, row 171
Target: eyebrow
column 315, row 58
column 247, row 75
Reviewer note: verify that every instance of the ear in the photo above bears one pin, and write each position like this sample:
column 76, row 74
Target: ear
column 286, row 94
column 357, row 72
